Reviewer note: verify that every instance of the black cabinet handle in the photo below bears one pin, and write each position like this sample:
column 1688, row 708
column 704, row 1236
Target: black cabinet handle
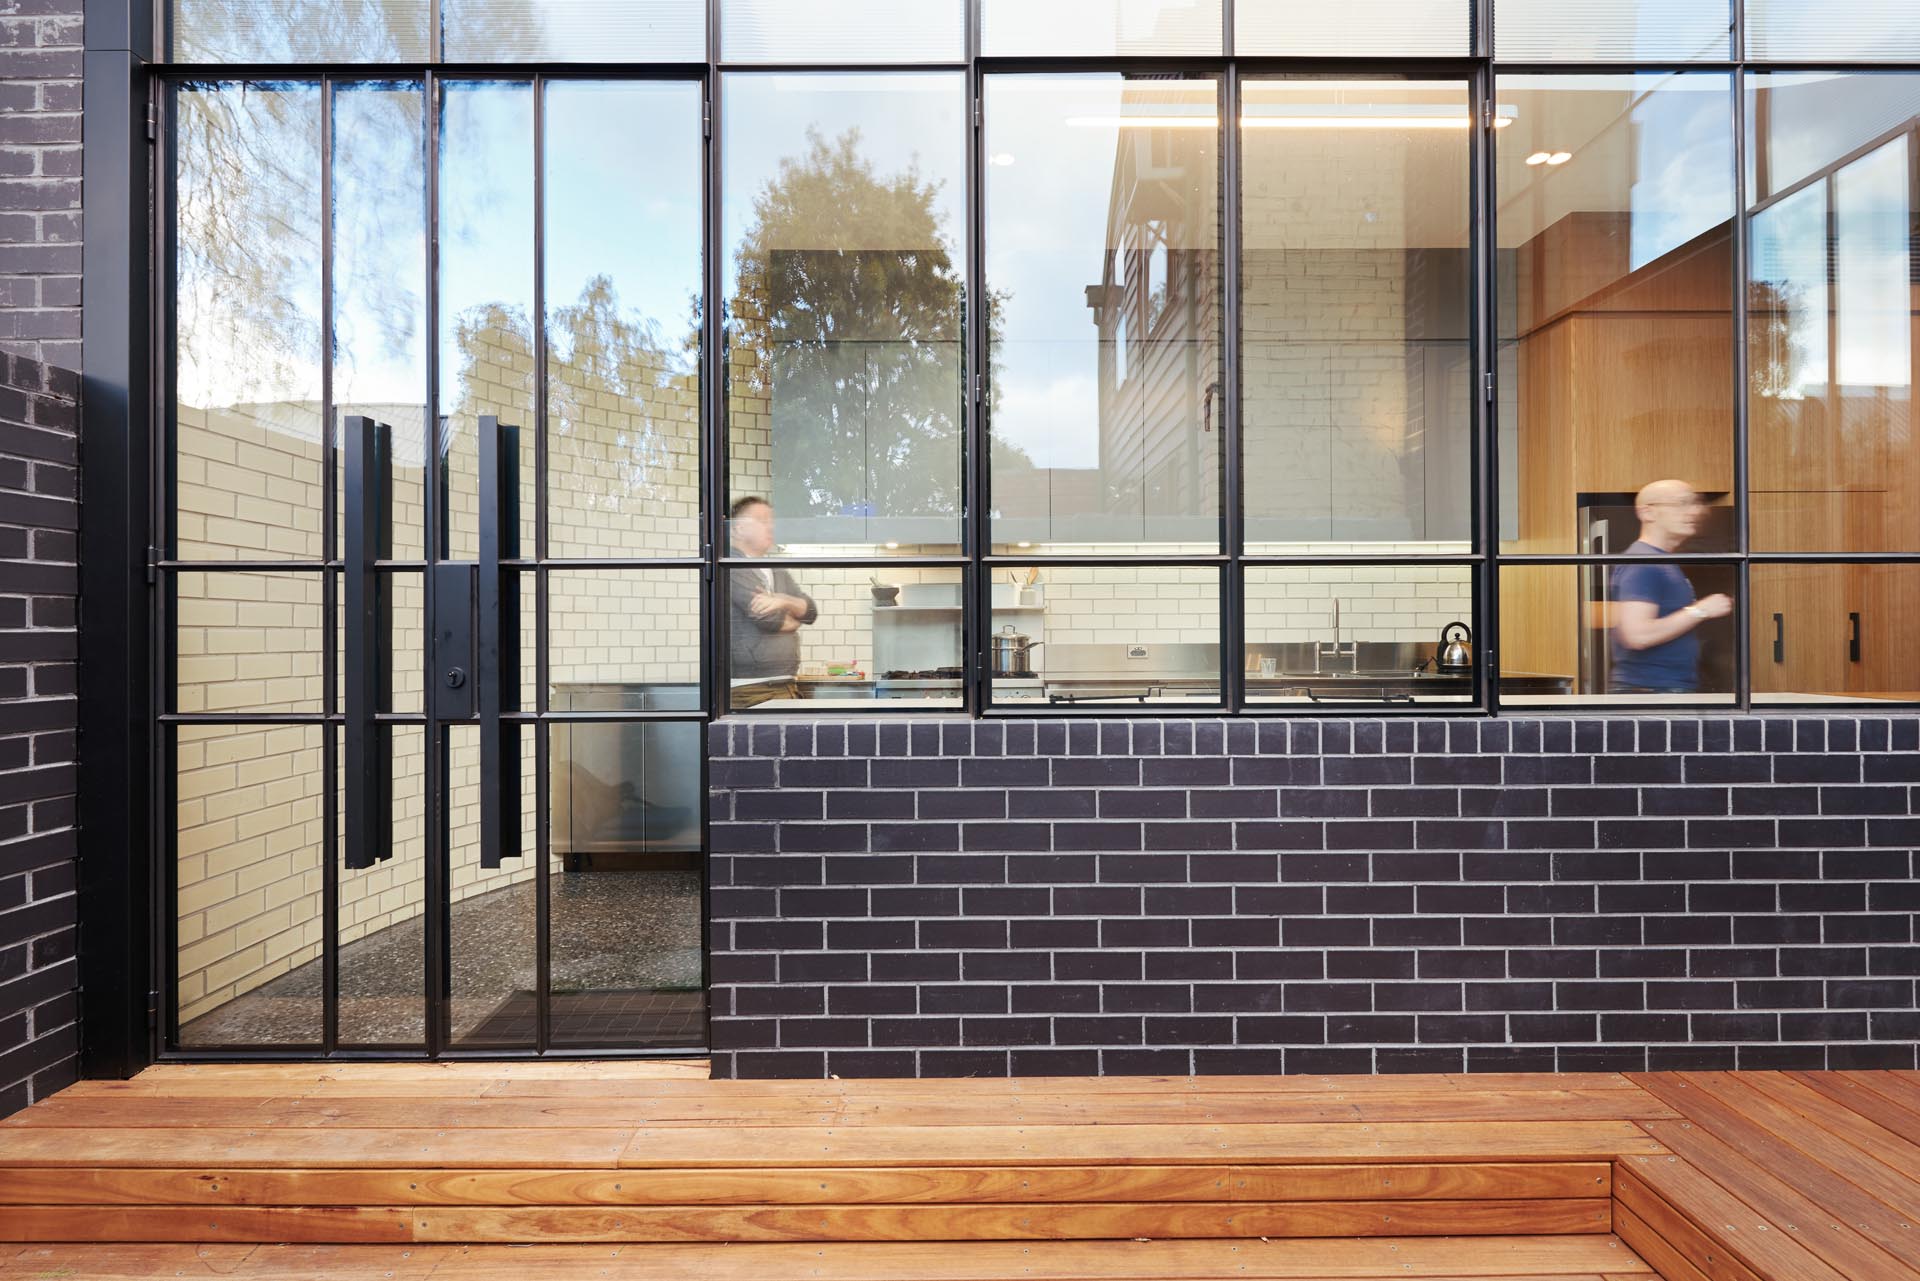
column 1853, row 637
column 1779, row 638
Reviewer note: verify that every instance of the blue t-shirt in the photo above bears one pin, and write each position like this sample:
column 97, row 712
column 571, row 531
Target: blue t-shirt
column 1675, row 666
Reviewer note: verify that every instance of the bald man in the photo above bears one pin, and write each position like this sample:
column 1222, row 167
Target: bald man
column 1654, row 610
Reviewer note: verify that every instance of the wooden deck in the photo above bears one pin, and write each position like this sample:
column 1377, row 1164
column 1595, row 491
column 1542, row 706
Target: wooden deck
column 647, row 1170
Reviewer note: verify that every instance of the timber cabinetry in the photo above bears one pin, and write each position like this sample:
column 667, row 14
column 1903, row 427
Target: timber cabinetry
column 1836, row 630
column 1623, row 375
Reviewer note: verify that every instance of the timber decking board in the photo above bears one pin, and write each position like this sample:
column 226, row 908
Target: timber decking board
column 919, row 1110
column 1537, row 1180
column 695, row 1148
column 1804, row 1176
column 1727, row 1176
column 1525, row 1258
column 1853, row 1232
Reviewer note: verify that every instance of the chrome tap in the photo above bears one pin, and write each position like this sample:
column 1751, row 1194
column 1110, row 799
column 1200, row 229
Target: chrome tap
column 1350, row 651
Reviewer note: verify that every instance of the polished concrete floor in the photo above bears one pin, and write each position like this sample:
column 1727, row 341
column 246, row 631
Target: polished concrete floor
column 626, row 971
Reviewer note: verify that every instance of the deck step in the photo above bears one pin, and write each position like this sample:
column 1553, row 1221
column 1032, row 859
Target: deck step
column 1590, row 1257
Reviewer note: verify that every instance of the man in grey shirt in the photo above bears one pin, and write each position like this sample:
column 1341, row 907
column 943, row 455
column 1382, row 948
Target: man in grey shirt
column 765, row 611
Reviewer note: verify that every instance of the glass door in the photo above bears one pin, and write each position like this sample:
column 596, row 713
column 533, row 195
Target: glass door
column 431, row 580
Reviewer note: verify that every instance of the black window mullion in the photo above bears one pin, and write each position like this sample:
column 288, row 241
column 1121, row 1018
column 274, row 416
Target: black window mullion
column 1233, row 628
column 1743, row 516
column 434, row 773
column 329, row 605
column 542, row 785
column 1484, row 335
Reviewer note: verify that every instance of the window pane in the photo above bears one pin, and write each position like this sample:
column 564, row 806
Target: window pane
column 575, row 30
column 1834, row 633
column 624, row 640
column 623, row 246
column 486, row 298
column 1831, row 318
column 1614, row 310
column 1855, row 30
column 1358, row 634
column 1356, row 271
column 845, row 639
column 1103, row 274
column 492, row 976
column 845, row 226
column 1612, row 30
column 1108, row 636
column 247, row 470
column 1618, row 633
column 248, row 862
column 1800, row 124
column 383, row 948
column 1378, row 28
column 380, row 288
column 842, row 31
column 624, row 885
column 1095, row 28
column 217, row 31
column 248, row 642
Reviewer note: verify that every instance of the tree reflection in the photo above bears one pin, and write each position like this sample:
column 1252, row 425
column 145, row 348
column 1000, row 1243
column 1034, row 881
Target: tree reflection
column 852, row 308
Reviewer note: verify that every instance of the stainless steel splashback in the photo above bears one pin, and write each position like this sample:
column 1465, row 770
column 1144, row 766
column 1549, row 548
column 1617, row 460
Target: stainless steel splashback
column 1154, row 662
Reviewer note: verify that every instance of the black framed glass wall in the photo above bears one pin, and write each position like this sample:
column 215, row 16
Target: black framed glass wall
column 1833, row 337
column 843, row 223
column 1267, row 358
column 435, row 788
column 1104, row 413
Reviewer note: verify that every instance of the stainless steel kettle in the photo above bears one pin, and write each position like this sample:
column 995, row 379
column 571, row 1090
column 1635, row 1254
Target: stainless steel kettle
column 1456, row 652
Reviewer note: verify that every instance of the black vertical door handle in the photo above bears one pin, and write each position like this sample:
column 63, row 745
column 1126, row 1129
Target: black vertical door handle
column 497, row 679
column 1779, row 638
column 368, row 486
column 1853, row 637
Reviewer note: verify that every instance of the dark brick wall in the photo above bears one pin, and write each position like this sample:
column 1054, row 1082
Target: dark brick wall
column 39, row 520
column 40, row 66
column 951, row 897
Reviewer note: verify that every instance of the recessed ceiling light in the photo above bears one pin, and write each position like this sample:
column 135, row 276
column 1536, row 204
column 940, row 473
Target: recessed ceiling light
column 1538, row 158
column 1000, row 158
column 1559, row 157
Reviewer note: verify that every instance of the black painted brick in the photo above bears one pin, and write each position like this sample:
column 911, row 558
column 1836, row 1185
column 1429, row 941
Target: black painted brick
column 39, row 509
column 1319, row 896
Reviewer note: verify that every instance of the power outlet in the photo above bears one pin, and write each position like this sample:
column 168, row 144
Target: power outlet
column 1136, row 651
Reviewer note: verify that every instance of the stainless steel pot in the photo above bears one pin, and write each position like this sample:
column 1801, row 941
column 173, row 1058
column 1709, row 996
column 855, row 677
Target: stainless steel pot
column 1012, row 652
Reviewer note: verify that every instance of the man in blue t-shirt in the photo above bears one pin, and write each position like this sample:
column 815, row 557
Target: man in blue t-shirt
column 1654, row 612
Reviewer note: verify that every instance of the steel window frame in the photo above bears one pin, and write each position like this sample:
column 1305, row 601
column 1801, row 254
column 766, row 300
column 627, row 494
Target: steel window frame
column 126, row 632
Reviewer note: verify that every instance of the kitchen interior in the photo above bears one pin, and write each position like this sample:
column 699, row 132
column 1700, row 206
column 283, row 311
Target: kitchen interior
column 1615, row 356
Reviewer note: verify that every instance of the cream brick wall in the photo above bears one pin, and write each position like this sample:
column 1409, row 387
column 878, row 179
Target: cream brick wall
column 625, row 482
